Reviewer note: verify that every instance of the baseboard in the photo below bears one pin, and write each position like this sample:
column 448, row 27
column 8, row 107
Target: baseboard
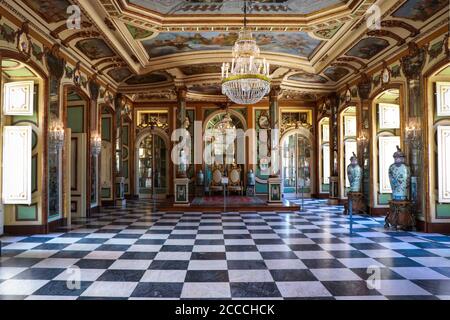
column 430, row 227
column 321, row 196
column 378, row 211
column 25, row 230
column 55, row 225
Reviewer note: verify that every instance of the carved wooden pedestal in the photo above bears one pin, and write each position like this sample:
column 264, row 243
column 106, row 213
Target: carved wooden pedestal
column 359, row 206
column 400, row 216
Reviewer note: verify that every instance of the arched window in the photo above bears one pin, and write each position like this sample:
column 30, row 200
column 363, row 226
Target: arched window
column 386, row 132
column 348, row 144
column 324, row 155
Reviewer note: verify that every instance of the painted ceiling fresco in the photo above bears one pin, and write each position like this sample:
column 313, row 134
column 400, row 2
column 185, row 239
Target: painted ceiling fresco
column 120, row 74
column 295, row 43
column 180, row 7
column 420, row 10
column 50, row 10
column 336, row 73
column 94, row 48
column 368, row 48
column 148, row 78
column 308, row 77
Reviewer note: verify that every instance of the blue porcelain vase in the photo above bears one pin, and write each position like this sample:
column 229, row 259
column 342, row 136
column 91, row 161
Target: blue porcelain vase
column 251, row 178
column 200, row 178
column 399, row 177
column 355, row 174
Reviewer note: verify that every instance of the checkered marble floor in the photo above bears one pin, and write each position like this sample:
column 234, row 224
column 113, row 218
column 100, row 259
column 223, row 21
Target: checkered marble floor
column 133, row 253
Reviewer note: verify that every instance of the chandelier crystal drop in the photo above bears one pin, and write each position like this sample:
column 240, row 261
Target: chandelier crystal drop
column 247, row 79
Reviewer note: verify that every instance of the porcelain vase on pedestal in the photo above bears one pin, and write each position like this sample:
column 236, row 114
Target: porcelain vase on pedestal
column 400, row 177
column 355, row 174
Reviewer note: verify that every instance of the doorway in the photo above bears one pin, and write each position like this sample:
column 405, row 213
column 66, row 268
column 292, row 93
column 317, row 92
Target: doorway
column 297, row 163
column 77, row 104
column 152, row 167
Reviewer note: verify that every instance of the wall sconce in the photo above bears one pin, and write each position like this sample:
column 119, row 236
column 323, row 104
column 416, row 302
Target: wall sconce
column 96, row 144
column 56, row 135
column 413, row 134
column 363, row 141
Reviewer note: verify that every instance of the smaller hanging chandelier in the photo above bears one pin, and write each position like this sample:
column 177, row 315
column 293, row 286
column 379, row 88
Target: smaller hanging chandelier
column 246, row 80
column 225, row 124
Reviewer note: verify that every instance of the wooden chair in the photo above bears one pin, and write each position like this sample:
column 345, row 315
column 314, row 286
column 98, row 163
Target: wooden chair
column 216, row 182
column 235, row 181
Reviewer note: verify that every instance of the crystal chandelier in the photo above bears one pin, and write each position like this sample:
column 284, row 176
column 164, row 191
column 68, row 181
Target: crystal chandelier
column 246, row 80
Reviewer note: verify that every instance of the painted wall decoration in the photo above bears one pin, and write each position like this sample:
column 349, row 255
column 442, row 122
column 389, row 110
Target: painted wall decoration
column 50, row 10
column 368, row 48
column 329, row 32
column 308, row 77
column 94, row 48
column 296, row 43
column 176, row 7
column 147, row 78
column 120, row 74
column 200, row 69
column 210, row 89
column 336, row 73
column 138, row 33
column 420, row 10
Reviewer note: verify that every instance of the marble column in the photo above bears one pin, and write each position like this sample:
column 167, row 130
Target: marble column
column 119, row 195
column 364, row 139
column 54, row 195
column 181, row 181
column 333, row 103
column 92, row 166
column 275, row 181
column 412, row 67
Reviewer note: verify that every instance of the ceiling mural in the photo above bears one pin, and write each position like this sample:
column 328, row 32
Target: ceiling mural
column 120, row 74
column 94, row 48
column 368, row 48
column 336, row 73
column 308, row 77
column 200, row 69
column 138, row 33
column 50, row 10
column 183, row 7
column 295, row 43
column 149, row 78
column 420, row 10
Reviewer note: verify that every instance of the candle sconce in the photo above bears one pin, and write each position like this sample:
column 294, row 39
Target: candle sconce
column 413, row 135
column 56, row 136
column 96, row 144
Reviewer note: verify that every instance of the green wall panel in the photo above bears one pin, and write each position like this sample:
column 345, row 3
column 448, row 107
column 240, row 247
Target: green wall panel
column 106, row 193
column 75, row 119
column 443, row 210
column 106, row 129
column 26, row 213
column 384, row 198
